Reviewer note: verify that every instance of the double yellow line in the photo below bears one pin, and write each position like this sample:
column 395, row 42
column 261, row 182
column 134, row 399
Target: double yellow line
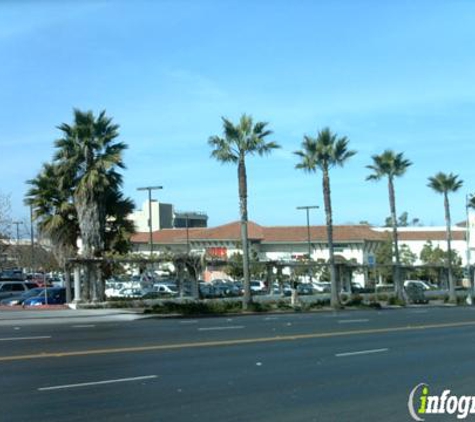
column 236, row 342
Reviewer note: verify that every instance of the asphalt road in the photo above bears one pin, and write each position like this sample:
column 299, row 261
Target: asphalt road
column 345, row 366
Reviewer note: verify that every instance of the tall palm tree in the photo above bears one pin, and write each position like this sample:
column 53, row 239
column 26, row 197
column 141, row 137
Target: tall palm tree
column 391, row 165
column 324, row 152
column 444, row 184
column 238, row 141
column 88, row 155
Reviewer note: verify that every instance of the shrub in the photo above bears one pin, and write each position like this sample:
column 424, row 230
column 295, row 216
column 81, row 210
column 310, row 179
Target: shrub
column 393, row 300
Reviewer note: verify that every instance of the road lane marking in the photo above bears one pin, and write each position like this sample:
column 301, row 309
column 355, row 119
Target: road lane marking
column 236, row 342
column 271, row 318
column 229, row 327
column 88, row 384
column 350, row 321
column 24, row 338
column 191, row 321
column 419, row 312
column 361, row 352
column 83, row 326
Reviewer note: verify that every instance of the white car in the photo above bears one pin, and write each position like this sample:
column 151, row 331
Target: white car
column 321, row 286
column 258, row 286
column 128, row 292
column 165, row 289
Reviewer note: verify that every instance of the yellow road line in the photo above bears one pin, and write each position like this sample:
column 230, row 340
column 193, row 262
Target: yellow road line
column 217, row 343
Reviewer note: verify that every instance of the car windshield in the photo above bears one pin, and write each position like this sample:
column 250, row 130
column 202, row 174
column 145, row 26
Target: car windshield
column 33, row 292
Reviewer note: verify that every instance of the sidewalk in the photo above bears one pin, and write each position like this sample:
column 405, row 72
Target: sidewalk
column 12, row 315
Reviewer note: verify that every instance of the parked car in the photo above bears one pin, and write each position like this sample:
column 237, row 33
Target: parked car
column 19, row 299
column 415, row 293
column 165, row 289
column 112, row 289
column 14, row 288
column 286, row 289
column 258, row 286
column 128, row 292
column 15, row 274
column 206, row 290
column 305, row 289
column 53, row 296
column 322, row 286
column 421, row 283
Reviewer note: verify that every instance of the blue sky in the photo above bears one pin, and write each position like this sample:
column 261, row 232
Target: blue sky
column 397, row 75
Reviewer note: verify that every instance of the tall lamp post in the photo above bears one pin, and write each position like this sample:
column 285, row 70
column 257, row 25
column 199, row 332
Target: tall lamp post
column 32, row 240
column 187, row 235
column 149, row 189
column 17, row 223
column 468, row 204
column 307, row 208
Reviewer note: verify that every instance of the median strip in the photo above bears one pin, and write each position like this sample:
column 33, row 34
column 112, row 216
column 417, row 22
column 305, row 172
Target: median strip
column 235, row 342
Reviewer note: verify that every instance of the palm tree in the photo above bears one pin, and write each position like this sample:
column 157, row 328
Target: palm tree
column 238, row 141
column 324, row 152
column 55, row 215
column 446, row 183
column 88, row 156
column 390, row 165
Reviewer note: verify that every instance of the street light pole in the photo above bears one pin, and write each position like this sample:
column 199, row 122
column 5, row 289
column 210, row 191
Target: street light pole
column 187, row 236
column 17, row 223
column 307, row 208
column 32, row 240
column 149, row 189
column 468, row 199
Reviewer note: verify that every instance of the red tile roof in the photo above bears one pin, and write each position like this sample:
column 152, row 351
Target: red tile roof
column 430, row 235
column 353, row 233
column 276, row 234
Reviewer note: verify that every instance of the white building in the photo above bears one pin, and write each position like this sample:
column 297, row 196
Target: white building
column 164, row 216
column 416, row 237
column 356, row 243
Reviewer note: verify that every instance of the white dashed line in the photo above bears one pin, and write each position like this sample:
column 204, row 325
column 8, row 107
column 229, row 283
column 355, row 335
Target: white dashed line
column 89, row 384
column 230, row 327
column 350, row 321
column 361, row 352
column 24, row 338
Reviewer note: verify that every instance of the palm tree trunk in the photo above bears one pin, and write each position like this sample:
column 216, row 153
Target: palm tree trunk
column 246, row 300
column 334, row 301
column 90, row 224
column 67, row 282
column 452, row 297
column 397, row 266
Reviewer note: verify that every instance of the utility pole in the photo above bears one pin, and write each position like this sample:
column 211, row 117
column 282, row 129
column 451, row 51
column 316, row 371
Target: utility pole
column 187, row 236
column 32, row 240
column 307, row 208
column 468, row 199
column 149, row 189
column 17, row 223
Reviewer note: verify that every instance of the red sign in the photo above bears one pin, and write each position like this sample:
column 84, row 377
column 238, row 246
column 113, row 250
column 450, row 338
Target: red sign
column 217, row 252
